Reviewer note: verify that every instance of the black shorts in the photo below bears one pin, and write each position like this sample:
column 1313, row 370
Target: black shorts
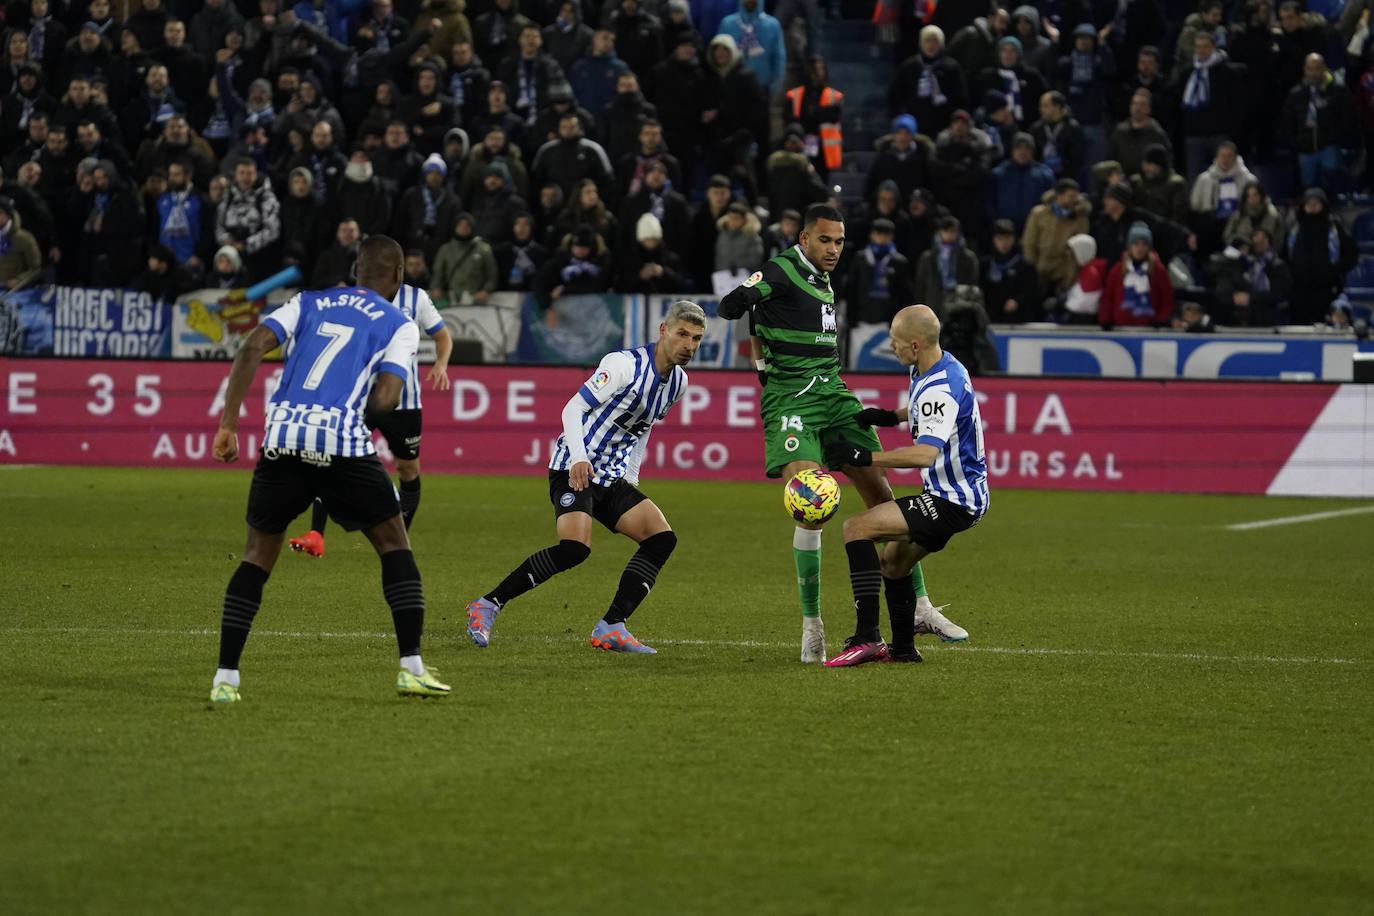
column 605, row 504
column 402, row 431
column 357, row 491
column 932, row 520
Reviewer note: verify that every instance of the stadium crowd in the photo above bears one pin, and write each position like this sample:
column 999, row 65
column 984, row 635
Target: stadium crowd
column 1090, row 161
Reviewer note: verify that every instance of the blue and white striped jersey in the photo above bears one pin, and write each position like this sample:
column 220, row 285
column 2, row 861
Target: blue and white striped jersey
column 943, row 412
column 337, row 340
column 416, row 305
column 624, row 398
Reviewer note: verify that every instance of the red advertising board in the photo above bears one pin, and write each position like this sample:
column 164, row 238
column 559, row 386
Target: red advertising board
column 1085, row 434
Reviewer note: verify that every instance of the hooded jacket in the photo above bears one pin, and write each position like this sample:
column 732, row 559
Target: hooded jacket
column 737, row 94
column 939, row 101
column 1045, row 241
column 1165, row 194
column 739, row 250
column 758, row 36
column 1321, row 252
column 1210, row 185
column 1016, row 190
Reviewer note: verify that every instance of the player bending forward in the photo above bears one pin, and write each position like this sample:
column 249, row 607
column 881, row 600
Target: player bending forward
column 947, row 434
column 594, row 472
column 318, row 442
column 400, row 427
column 805, row 405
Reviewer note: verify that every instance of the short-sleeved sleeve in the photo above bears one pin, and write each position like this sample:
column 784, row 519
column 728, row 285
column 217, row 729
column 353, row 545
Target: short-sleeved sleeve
column 283, row 320
column 936, row 412
column 615, row 371
column 400, row 351
column 426, row 315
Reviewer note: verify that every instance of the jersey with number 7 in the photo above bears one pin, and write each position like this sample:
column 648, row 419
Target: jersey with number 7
column 337, row 341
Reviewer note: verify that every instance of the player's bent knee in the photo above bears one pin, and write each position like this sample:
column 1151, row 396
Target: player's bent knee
column 399, row 566
column 659, row 546
column 569, row 553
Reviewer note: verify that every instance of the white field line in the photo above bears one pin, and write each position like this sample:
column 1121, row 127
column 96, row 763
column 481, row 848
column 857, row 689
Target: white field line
column 726, row 643
column 1296, row 519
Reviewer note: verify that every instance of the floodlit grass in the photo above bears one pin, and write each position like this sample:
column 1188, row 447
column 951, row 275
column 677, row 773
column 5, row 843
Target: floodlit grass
column 1153, row 714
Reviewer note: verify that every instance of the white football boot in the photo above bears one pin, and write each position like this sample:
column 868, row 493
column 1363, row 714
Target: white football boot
column 929, row 621
column 813, row 640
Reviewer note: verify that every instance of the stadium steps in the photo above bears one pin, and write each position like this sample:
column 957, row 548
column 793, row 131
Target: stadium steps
column 861, row 68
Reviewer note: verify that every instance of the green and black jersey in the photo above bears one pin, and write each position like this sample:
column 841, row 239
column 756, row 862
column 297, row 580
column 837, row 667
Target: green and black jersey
column 793, row 314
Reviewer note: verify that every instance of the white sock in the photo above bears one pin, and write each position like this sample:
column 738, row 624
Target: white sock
column 228, row 676
column 806, row 538
column 413, row 664
column 923, row 603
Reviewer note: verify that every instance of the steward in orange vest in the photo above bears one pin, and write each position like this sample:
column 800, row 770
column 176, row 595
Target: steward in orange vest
column 817, row 108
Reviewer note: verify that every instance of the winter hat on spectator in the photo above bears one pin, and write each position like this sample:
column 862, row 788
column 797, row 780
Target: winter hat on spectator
column 961, row 115
column 164, row 114
column 232, row 253
column 108, row 168
column 738, row 206
column 163, row 254
column 301, row 171
column 1140, row 232
column 904, row 122
column 585, row 236
column 789, row 213
column 679, row 6
column 1119, row 191
column 1157, row 154
column 1085, row 29
column 994, row 101
column 1021, row 137
column 922, row 195
column 1003, row 227
column 560, row 92
column 688, row 37
column 435, row 163
column 1010, row 40
column 498, row 168
column 794, row 130
column 466, row 217
column 1083, row 246
column 648, row 227
column 719, row 181
column 890, row 184
column 883, row 226
column 91, row 26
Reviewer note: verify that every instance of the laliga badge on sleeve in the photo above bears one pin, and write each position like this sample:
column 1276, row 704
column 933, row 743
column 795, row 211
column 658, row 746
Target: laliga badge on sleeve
column 600, row 379
column 754, row 278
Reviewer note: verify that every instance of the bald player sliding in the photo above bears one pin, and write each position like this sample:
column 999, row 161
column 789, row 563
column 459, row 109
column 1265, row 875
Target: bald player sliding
column 947, row 442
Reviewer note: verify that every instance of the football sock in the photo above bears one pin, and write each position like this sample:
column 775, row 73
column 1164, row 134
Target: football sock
column 640, row 574
column 241, row 600
column 901, row 611
column 406, row 597
column 865, row 576
column 918, row 581
column 228, row 676
column 539, row 567
column 806, row 553
column 413, row 664
column 410, row 500
column 319, row 516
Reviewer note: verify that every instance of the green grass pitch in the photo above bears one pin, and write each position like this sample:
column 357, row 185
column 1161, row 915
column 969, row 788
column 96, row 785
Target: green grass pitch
column 1154, row 714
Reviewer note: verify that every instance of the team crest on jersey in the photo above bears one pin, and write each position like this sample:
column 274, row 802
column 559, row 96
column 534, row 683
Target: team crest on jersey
column 754, row 278
column 600, row 379
column 566, row 500
column 828, row 318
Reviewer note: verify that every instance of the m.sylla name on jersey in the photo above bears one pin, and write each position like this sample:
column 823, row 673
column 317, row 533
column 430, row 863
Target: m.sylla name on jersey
column 368, row 307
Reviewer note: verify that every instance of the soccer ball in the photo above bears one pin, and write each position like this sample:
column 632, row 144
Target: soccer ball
column 812, row 496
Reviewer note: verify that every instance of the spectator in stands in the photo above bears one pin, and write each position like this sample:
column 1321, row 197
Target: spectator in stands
column 1252, row 43
column 929, row 84
column 380, row 28
column 547, row 209
column 1150, row 76
column 495, row 33
column 500, row 115
column 493, row 148
column 1319, row 120
column 593, row 77
column 1301, row 35
column 580, row 266
column 994, row 119
column 361, row 195
column 78, row 105
column 1212, row 102
column 112, row 234
column 1059, row 139
column 1158, row 188
column 26, row 99
column 1256, row 211
column 782, row 235
column 677, row 21
column 887, row 204
column 1061, row 214
column 1018, row 185
column 633, row 167
column 302, row 223
column 1023, row 85
column 903, row 158
column 307, row 107
column 1082, row 75
column 739, row 243
column 453, row 27
column 1035, row 50
column 1111, row 226
column 147, row 23
column 92, row 57
column 1320, row 252
column 648, row 265
column 175, row 143
column 974, row 47
column 178, row 215
column 1207, row 22
column 738, row 100
column 1256, row 287
column 466, row 81
column 35, row 135
column 47, row 37
column 1010, row 283
column 162, row 278
column 416, row 269
column 529, row 74
column 878, row 282
column 426, row 209
column 561, row 101
column 619, row 122
column 585, row 208
column 656, row 196
column 567, row 39
column 961, row 164
column 464, row 268
column 385, row 108
column 758, row 36
column 1216, row 195
column 325, row 162
column 226, row 270
column 792, row 180
column 209, row 26
column 679, row 88
column 249, row 219
column 334, row 267
column 519, row 260
column 571, row 158
column 397, row 163
column 186, row 70
column 948, row 263
column 1133, row 136
column 58, row 162
column 428, row 111
column 20, row 259
column 495, row 205
column 1137, row 291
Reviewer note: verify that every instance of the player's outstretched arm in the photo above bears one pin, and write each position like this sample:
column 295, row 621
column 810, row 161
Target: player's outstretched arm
column 878, row 416
column 739, row 301
column 246, row 362
column 438, row 373
column 843, row 453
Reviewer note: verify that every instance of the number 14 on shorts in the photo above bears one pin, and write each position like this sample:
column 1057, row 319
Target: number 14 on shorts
column 793, row 422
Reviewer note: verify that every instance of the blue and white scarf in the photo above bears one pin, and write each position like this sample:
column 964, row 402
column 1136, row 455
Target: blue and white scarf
column 431, row 206
column 928, row 84
column 320, row 187
column 1257, row 274
column 879, row 257
column 178, row 222
column 944, row 256
column 38, row 37
column 1011, row 86
column 456, row 88
column 525, row 98
column 1228, row 197
column 1084, row 70
column 580, row 268
column 1135, row 292
column 1197, row 93
column 749, row 44
column 998, row 269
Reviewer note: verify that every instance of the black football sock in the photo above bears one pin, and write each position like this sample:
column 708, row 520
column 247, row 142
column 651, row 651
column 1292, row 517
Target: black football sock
column 319, row 516
column 538, row 568
column 241, row 601
column 410, row 500
column 406, row 598
column 901, row 611
column 865, row 577
column 640, row 574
